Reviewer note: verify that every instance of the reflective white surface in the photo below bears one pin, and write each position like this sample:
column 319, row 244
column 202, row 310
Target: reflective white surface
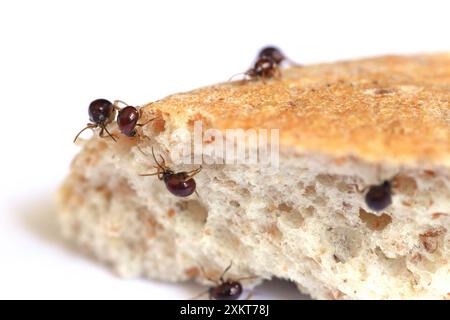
column 57, row 56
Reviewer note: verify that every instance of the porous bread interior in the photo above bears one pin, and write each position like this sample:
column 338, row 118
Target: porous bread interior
column 305, row 222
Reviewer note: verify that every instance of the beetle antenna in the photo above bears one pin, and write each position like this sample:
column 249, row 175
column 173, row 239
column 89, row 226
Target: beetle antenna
column 109, row 134
column 225, row 271
column 237, row 74
column 89, row 126
column 161, row 166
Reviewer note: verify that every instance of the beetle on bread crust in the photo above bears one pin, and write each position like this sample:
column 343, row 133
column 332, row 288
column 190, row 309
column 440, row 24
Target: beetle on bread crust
column 127, row 120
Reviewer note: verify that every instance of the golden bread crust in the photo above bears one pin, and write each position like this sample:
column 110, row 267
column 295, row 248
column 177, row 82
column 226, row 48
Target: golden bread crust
column 387, row 109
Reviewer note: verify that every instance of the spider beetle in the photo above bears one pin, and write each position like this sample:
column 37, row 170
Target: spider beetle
column 379, row 197
column 276, row 55
column 101, row 113
column 127, row 120
column 180, row 184
column 267, row 64
column 265, row 67
column 225, row 289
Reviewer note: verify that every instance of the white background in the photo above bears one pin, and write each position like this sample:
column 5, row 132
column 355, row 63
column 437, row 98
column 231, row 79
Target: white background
column 57, row 56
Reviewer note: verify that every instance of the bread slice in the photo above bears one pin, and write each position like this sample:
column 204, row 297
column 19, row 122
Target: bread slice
column 342, row 127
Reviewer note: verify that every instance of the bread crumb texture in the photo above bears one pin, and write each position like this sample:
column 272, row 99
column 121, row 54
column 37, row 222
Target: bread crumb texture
column 343, row 127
